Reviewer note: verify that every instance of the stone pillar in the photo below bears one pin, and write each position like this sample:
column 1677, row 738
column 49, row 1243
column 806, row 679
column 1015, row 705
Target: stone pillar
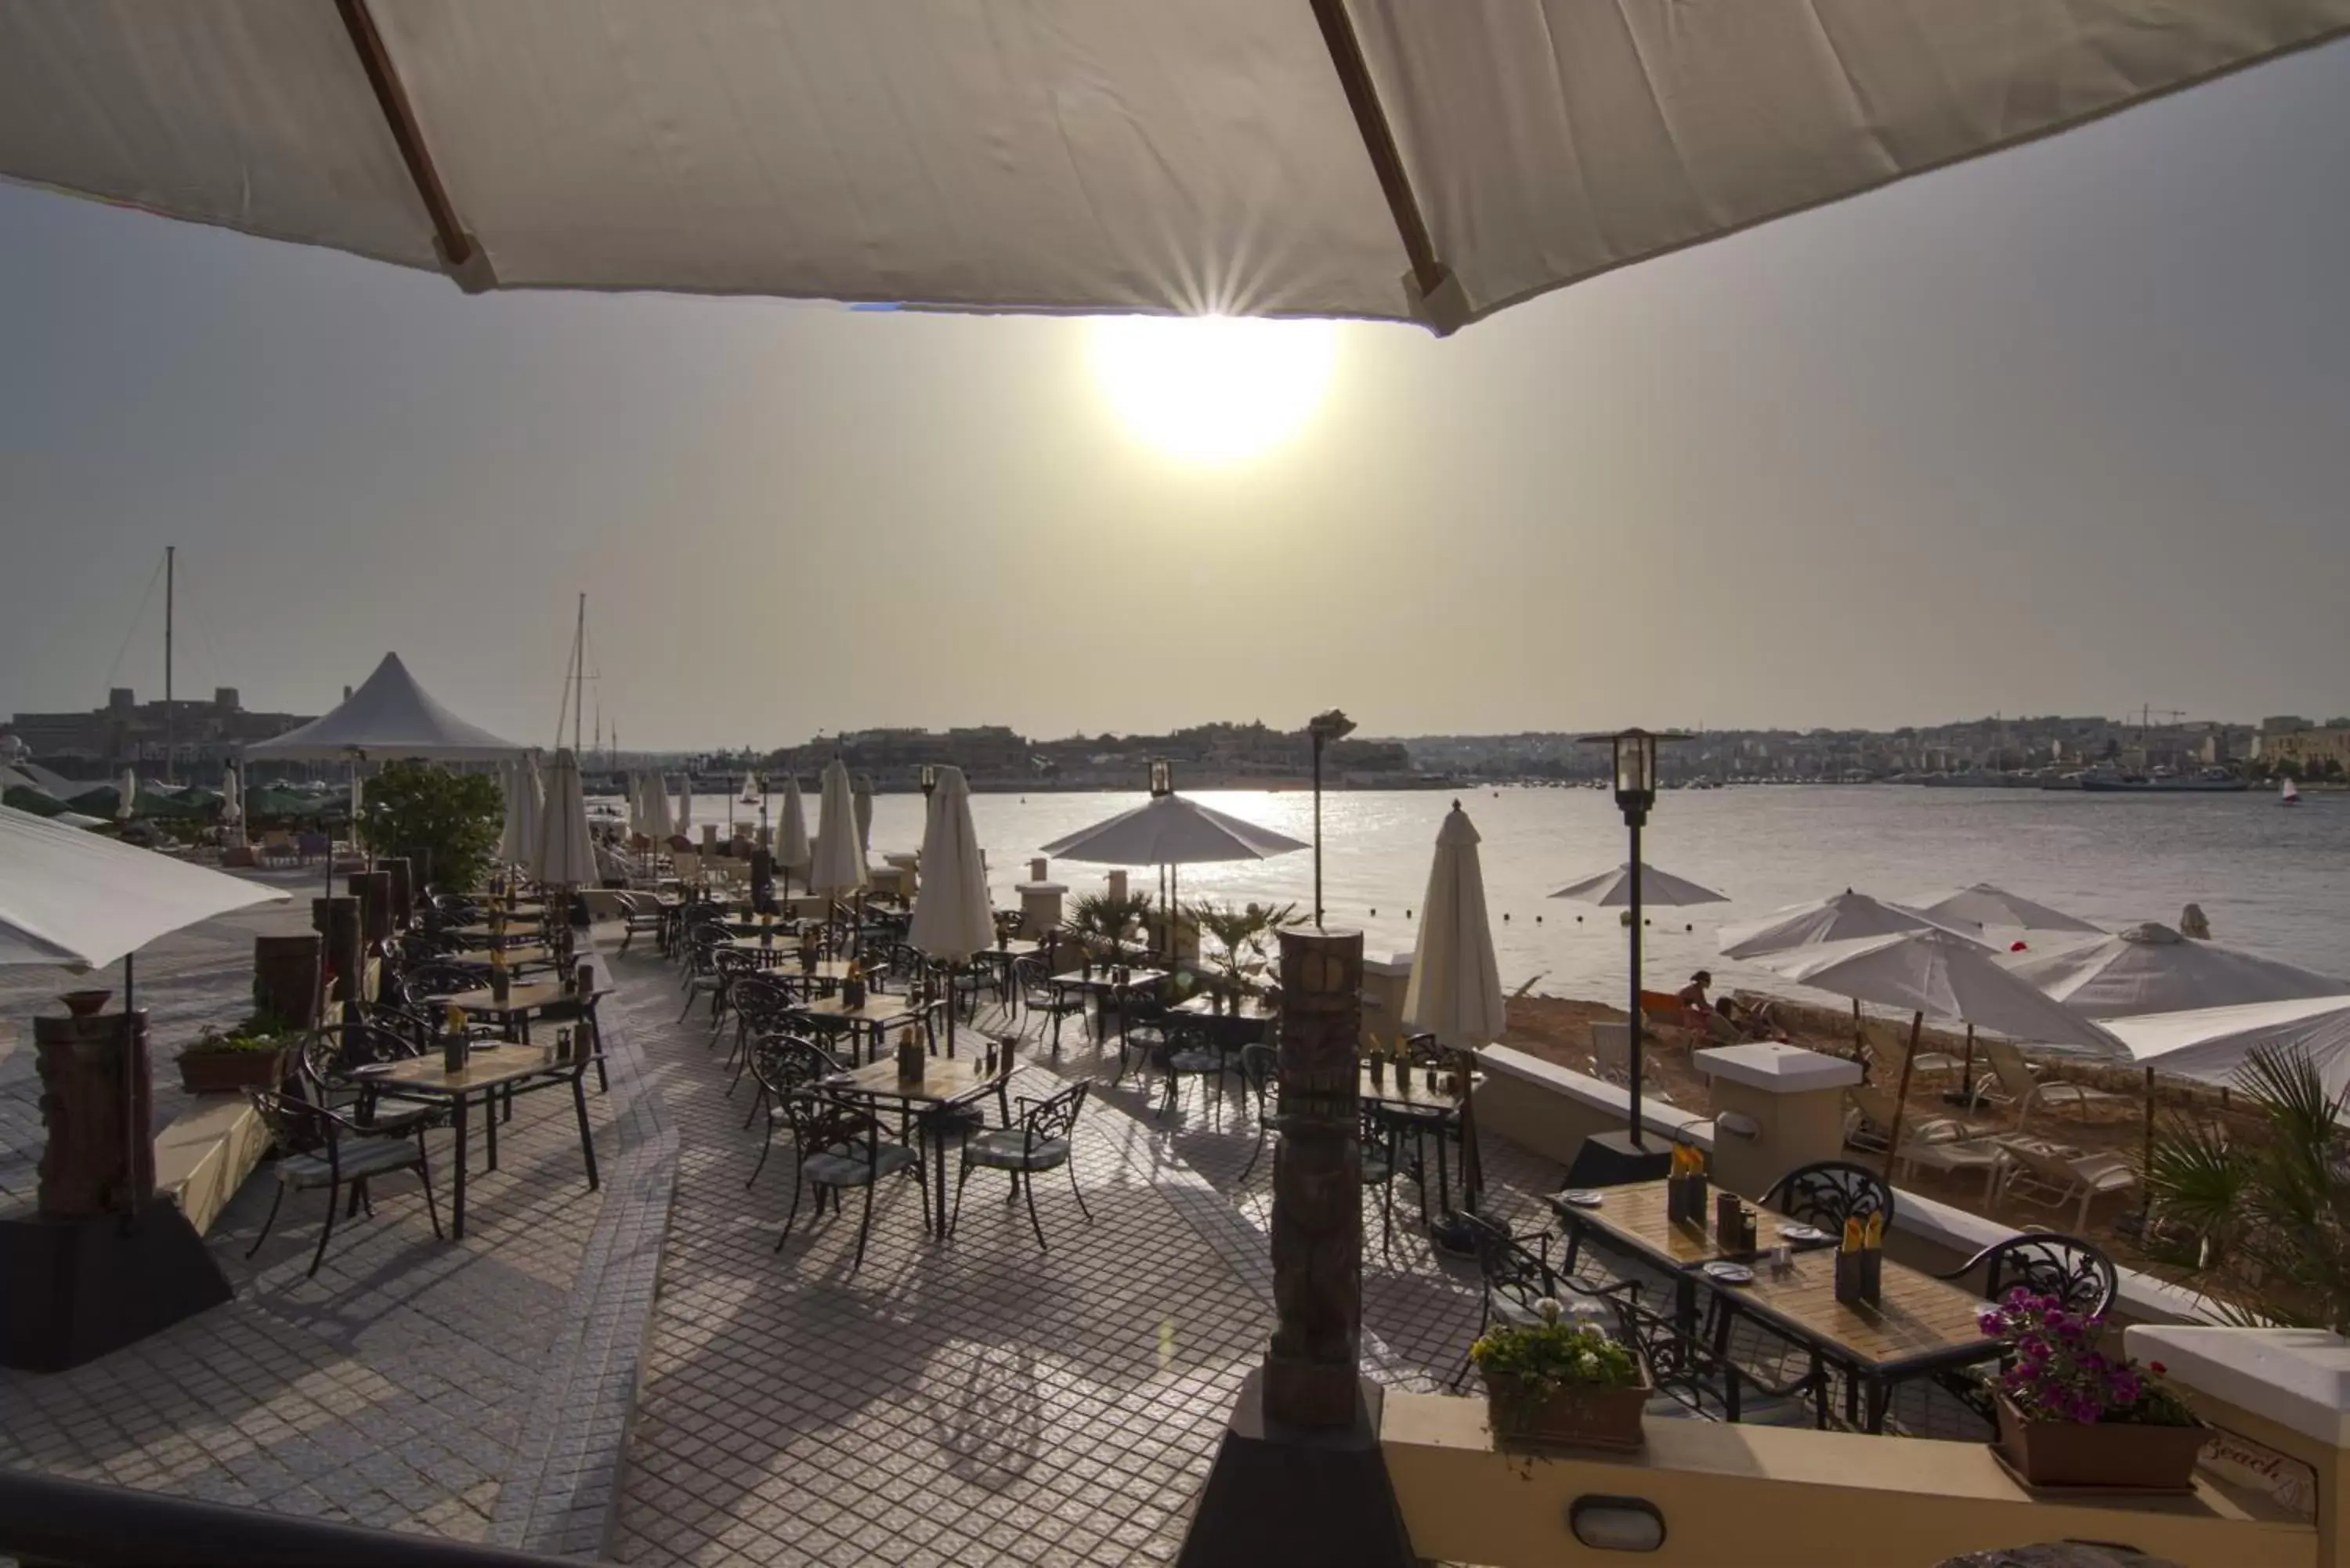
column 1310, row 1368
column 710, row 838
column 1384, row 983
column 1775, row 1107
column 1040, row 907
column 372, row 890
column 97, row 1100
column 1117, row 882
column 403, row 889
column 337, row 921
column 285, row 979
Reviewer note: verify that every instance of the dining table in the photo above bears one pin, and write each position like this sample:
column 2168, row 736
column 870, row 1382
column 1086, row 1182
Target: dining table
column 872, row 1019
column 1919, row 1324
column 930, row 1100
column 1110, row 987
column 491, row 1072
column 1413, row 1106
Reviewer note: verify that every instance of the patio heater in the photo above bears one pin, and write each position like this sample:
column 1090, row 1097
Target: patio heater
column 1612, row 1158
column 1325, row 728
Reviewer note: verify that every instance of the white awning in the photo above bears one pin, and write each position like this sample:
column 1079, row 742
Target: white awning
column 68, row 897
column 388, row 719
column 1258, row 157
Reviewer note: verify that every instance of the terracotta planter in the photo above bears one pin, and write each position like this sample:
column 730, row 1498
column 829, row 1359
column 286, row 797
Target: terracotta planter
column 2123, row 1454
column 84, row 1003
column 230, row 1072
column 1581, row 1417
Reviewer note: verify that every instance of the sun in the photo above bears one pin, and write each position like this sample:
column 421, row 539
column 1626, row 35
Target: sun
column 1212, row 389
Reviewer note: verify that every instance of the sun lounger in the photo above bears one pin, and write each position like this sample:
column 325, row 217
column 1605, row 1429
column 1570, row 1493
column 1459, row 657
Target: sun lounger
column 1611, row 1051
column 1870, row 1124
column 1887, row 1048
column 2052, row 1175
column 2019, row 1085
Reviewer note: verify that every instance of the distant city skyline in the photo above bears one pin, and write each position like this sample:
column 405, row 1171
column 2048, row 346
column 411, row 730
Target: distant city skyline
column 2066, row 431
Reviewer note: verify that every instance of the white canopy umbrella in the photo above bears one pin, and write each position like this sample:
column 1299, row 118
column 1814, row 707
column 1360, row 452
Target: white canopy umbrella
column 526, row 809
column 1946, row 974
column 2151, row 967
column 2210, row 1044
column 1843, row 917
column 390, row 716
column 1427, row 163
column 1455, row 989
column 954, row 917
column 564, row 853
column 1985, row 905
column 68, row 897
column 791, row 851
column 1168, row 830
column 1613, row 889
column 838, row 865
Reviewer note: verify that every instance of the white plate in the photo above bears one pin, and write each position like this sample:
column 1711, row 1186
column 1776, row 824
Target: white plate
column 1583, row 1197
column 1729, row 1273
column 1802, row 1233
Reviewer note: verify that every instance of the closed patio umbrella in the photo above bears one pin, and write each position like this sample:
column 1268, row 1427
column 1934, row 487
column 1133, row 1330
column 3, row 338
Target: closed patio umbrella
column 863, row 799
column 526, row 808
column 1425, row 163
column 564, row 853
column 1455, row 989
column 836, row 866
column 954, row 917
column 792, row 850
column 126, row 797
column 684, row 823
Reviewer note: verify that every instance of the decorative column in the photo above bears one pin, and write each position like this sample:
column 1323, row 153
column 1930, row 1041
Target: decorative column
column 97, row 1100
column 1317, row 1231
column 337, row 921
column 373, row 891
column 285, row 979
column 403, row 888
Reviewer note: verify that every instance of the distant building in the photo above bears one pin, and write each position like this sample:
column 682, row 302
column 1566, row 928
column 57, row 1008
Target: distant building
column 127, row 732
column 979, row 749
column 2313, row 746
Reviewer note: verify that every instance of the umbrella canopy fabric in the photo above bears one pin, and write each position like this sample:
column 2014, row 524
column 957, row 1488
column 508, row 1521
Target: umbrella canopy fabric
column 838, row 865
column 68, row 897
column 954, row 917
column 1944, row 975
column 1169, row 830
column 658, row 822
column 390, row 716
column 2152, row 969
column 127, row 799
column 526, row 808
column 792, row 850
column 1081, row 155
column 564, row 853
column 2212, row 1043
column 1844, row 918
column 35, row 802
column 861, row 797
column 1985, row 905
column 1455, row 990
column 1611, row 890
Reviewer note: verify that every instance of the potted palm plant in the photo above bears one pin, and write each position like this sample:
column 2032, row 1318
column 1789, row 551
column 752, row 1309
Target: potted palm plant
column 220, row 1062
column 1559, row 1381
column 1241, row 933
column 2072, row 1416
column 1103, row 923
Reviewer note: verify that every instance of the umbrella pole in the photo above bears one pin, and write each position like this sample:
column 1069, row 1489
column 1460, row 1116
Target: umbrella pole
column 1473, row 1167
column 1859, row 1040
column 2146, row 1157
column 131, row 1131
column 1901, row 1094
column 1967, row 1074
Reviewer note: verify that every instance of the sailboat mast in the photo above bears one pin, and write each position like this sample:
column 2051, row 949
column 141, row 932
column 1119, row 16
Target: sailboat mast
column 579, row 669
column 170, row 586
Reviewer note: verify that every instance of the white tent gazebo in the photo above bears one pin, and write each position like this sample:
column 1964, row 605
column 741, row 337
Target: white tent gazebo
column 390, row 716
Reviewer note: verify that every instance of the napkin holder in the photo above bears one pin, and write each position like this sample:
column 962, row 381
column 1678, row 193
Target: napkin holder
column 1733, row 1224
column 454, row 1049
column 1859, row 1275
column 912, row 1060
column 1685, row 1198
column 852, row 995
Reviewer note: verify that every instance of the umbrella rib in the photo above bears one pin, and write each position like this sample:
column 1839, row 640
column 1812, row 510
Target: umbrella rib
column 391, row 96
column 1379, row 141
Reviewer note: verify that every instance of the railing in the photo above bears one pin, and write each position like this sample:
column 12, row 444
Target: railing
column 47, row 1522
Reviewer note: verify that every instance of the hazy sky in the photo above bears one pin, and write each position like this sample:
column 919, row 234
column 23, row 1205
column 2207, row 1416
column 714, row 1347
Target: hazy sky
column 2066, row 429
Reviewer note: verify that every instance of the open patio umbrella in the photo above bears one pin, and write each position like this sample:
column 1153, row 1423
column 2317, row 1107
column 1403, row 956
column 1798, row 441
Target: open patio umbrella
column 838, row 865
column 1419, row 162
column 563, row 853
column 954, row 917
column 72, row 897
column 1985, row 905
column 792, row 850
column 1613, row 889
column 1840, row 917
column 1950, row 976
column 1455, row 989
column 2152, row 969
column 2210, row 1044
column 1168, row 830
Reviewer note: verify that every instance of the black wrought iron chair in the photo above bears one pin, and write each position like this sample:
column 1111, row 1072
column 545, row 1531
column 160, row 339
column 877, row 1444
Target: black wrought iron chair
column 1191, row 1052
column 1706, row 1383
column 1045, row 1139
column 2046, row 1263
column 1828, row 1192
column 1378, row 1170
column 701, row 976
column 1259, row 1086
column 782, row 1065
column 1039, row 993
column 421, row 984
column 1517, row 1281
column 761, row 1002
column 639, row 917
column 836, row 1145
column 333, row 1149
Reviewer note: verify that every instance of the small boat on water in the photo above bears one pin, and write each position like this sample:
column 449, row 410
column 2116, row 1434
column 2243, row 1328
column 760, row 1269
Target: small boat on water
column 749, row 796
column 2163, row 781
column 2290, row 794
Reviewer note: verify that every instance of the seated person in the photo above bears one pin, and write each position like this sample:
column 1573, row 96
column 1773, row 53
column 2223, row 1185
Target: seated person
column 1695, row 1005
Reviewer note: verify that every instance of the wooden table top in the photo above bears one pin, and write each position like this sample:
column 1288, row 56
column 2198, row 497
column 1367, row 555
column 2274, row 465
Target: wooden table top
column 1915, row 1317
column 1103, row 979
column 519, row 998
column 1634, row 1214
column 486, row 1069
column 944, row 1080
column 877, row 1009
column 1254, row 1008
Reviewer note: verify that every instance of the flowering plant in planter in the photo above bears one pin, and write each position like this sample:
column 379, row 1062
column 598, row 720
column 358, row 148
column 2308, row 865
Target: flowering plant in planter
column 2072, row 1415
column 219, row 1062
column 1561, row 1381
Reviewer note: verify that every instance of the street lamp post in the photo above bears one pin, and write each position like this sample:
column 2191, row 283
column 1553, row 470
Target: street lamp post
column 1325, row 728
column 1636, row 791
